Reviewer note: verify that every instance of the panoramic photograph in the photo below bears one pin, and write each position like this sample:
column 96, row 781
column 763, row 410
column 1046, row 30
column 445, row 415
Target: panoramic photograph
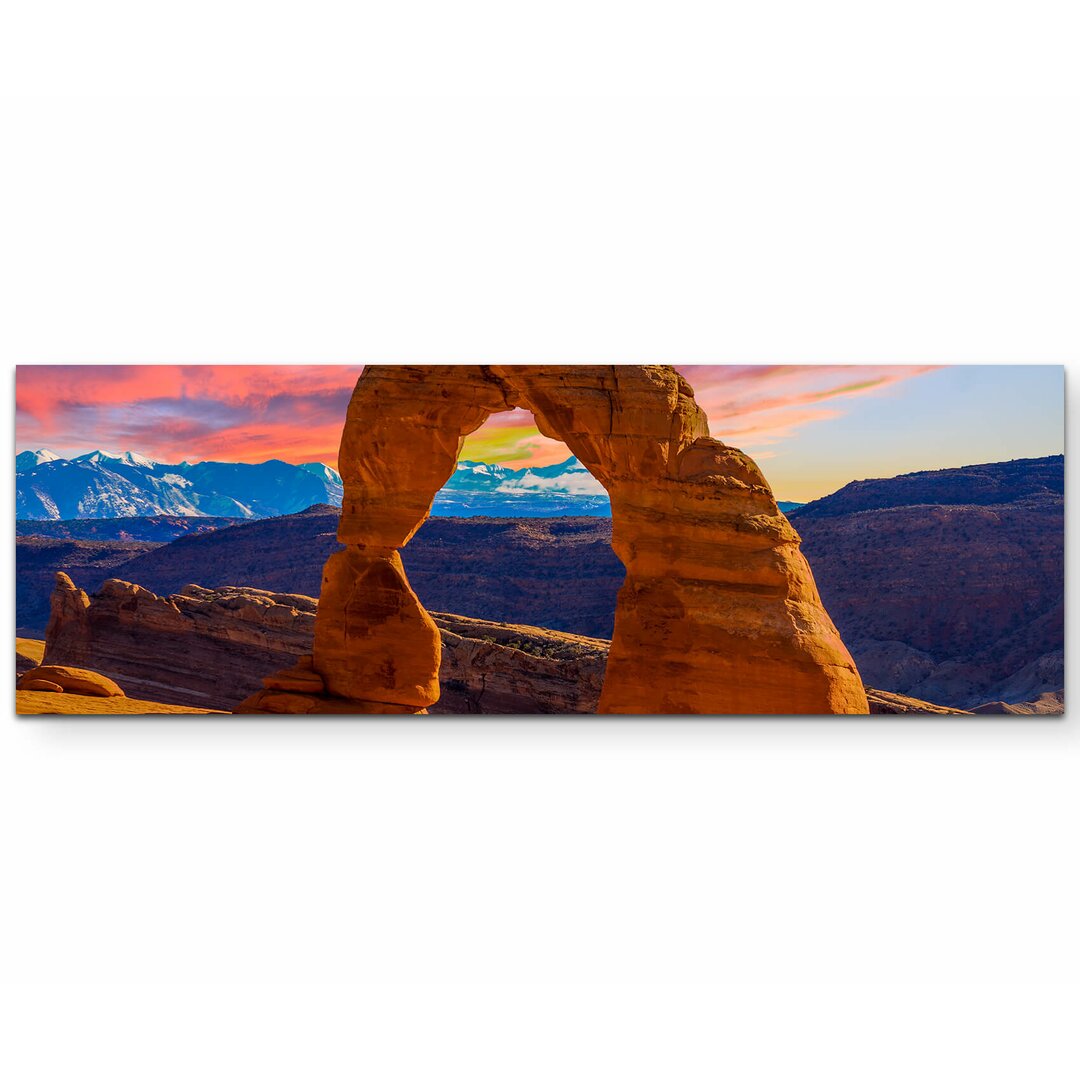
column 510, row 540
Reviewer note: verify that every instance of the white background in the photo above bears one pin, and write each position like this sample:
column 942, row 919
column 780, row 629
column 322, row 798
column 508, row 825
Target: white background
column 633, row 182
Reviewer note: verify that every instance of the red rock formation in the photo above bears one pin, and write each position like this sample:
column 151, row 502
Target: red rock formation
column 490, row 667
column 72, row 679
column 221, row 648
column 228, row 641
column 43, row 685
column 207, row 648
column 719, row 612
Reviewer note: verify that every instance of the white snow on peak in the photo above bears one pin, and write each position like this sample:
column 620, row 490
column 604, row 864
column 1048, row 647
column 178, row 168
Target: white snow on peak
column 137, row 459
column 128, row 457
column 30, row 459
column 324, row 472
column 481, row 468
column 572, row 482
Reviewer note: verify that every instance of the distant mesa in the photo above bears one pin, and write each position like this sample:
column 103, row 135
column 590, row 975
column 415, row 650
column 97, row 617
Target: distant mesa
column 968, row 485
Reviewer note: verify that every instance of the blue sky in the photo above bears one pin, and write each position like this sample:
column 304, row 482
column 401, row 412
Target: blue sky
column 959, row 415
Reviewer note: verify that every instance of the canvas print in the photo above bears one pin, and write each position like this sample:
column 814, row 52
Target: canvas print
column 648, row 540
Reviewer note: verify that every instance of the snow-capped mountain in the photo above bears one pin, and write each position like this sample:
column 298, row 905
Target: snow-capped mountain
column 564, row 489
column 103, row 457
column 101, row 484
column 29, row 458
column 114, row 485
column 568, row 477
column 330, row 477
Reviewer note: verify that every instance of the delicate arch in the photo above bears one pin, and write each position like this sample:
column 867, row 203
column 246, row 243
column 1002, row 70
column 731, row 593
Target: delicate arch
column 719, row 612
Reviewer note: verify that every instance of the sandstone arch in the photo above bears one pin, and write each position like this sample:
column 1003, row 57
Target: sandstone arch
column 719, row 612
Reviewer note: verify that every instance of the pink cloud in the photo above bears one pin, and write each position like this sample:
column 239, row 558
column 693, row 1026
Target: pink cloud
column 252, row 412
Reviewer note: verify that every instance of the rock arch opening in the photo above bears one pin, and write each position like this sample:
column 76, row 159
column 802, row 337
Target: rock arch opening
column 718, row 612
column 520, row 534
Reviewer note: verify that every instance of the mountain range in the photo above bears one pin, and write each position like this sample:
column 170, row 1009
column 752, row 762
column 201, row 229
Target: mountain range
column 103, row 485
column 566, row 489
column 106, row 485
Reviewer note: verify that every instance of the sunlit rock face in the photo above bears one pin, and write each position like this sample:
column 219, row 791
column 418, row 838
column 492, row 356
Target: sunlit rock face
column 719, row 612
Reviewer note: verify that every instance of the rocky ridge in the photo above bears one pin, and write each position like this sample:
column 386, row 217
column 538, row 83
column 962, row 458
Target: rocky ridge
column 957, row 601
column 214, row 648
column 249, row 651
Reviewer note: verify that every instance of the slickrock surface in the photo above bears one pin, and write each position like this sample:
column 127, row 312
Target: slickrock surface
column 39, row 703
column 28, row 654
column 719, row 612
column 883, row 702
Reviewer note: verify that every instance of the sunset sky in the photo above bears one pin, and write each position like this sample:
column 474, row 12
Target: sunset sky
column 812, row 428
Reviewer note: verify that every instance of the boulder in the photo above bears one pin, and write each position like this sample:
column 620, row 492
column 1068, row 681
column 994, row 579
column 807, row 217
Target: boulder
column 72, row 679
column 42, row 685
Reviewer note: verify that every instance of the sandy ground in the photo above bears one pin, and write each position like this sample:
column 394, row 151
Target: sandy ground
column 35, row 702
column 30, row 648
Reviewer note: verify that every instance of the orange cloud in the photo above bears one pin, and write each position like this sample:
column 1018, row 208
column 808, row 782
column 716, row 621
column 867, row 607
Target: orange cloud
column 195, row 412
column 254, row 412
column 752, row 407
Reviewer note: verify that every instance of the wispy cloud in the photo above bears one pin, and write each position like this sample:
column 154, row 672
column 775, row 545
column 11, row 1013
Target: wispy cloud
column 753, row 407
column 250, row 413
column 172, row 412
